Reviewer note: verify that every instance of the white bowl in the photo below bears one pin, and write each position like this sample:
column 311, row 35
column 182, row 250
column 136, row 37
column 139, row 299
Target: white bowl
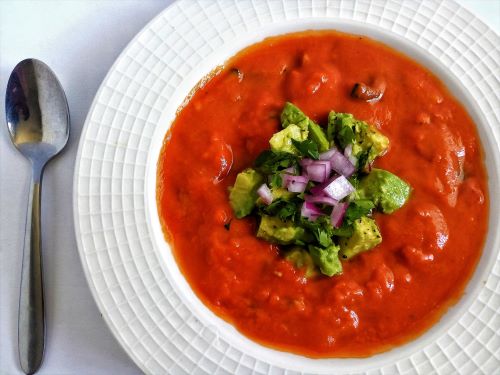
column 130, row 268
column 227, row 331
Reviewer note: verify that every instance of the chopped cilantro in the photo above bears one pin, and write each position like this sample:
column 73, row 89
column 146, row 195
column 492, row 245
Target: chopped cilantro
column 324, row 238
column 354, row 180
column 363, row 158
column 345, row 136
column 269, row 162
column 321, row 229
column 276, row 180
column 283, row 208
column 307, row 148
column 346, row 230
column 358, row 208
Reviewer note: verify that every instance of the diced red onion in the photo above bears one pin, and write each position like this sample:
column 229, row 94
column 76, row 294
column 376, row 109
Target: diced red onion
column 305, row 162
column 327, row 155
column 296, row 187
column 284, row 180
column 265, row 193
column 295, row 184
column 318, row 170
column 323, row 199
column 288, row 178
column 285, row 173
column 310, row 211
column 338, row 213
column 342, row 165
column 318, row 189
column 339, row 188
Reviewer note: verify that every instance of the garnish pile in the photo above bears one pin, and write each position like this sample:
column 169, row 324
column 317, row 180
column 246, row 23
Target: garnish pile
column 314, row 192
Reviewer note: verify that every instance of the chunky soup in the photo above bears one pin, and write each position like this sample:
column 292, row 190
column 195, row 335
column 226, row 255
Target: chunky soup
column 383, row 297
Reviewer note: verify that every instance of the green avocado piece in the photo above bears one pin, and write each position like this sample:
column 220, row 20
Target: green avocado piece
column 303, row 260
column 327, row 259
column 340, row 128
column 367, row 142
column 387, row 191
column 366, row 236
column 292, row 115
column 243, row 195
column 317, row 135
column 275, row 230
column 282, row 140
column 282, row 193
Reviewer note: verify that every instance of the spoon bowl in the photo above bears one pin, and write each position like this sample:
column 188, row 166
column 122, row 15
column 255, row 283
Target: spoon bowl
column 38, row 123
column 37, row 111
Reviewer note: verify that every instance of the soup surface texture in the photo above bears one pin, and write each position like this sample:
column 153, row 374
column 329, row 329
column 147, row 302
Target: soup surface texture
column 385, row 296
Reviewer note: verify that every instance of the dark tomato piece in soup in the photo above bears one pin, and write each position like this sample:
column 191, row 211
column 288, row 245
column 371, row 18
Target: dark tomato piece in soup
column 384, row 297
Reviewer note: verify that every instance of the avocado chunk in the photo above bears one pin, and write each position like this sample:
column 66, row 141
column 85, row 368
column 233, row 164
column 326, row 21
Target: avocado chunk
column 282, row 140
column 293, row 115
column 365, row 236
column 243, row 195
column 387, row 191
column 275, row 230
column 302, row 259
column 281, row 193
column 327, row 259
column 367, row 142
column 317, row 135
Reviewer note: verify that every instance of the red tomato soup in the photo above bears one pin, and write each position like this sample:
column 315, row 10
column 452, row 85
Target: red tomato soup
column 385, row 296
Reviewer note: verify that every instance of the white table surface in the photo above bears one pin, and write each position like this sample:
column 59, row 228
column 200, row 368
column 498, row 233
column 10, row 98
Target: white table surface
column 79, row 40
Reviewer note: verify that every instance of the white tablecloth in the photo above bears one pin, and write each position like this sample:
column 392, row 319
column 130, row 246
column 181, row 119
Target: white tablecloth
column 79, row 40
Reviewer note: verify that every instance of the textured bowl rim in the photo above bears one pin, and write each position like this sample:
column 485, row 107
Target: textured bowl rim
column 492, row 139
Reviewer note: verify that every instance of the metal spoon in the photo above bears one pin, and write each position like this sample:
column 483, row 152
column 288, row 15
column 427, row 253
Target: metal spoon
column 38, row 123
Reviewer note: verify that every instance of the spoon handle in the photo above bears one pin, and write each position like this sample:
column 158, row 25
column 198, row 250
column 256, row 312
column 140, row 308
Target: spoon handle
column 31, row 324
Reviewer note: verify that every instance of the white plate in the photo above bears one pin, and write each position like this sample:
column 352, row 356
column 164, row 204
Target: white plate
column 130, row 269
